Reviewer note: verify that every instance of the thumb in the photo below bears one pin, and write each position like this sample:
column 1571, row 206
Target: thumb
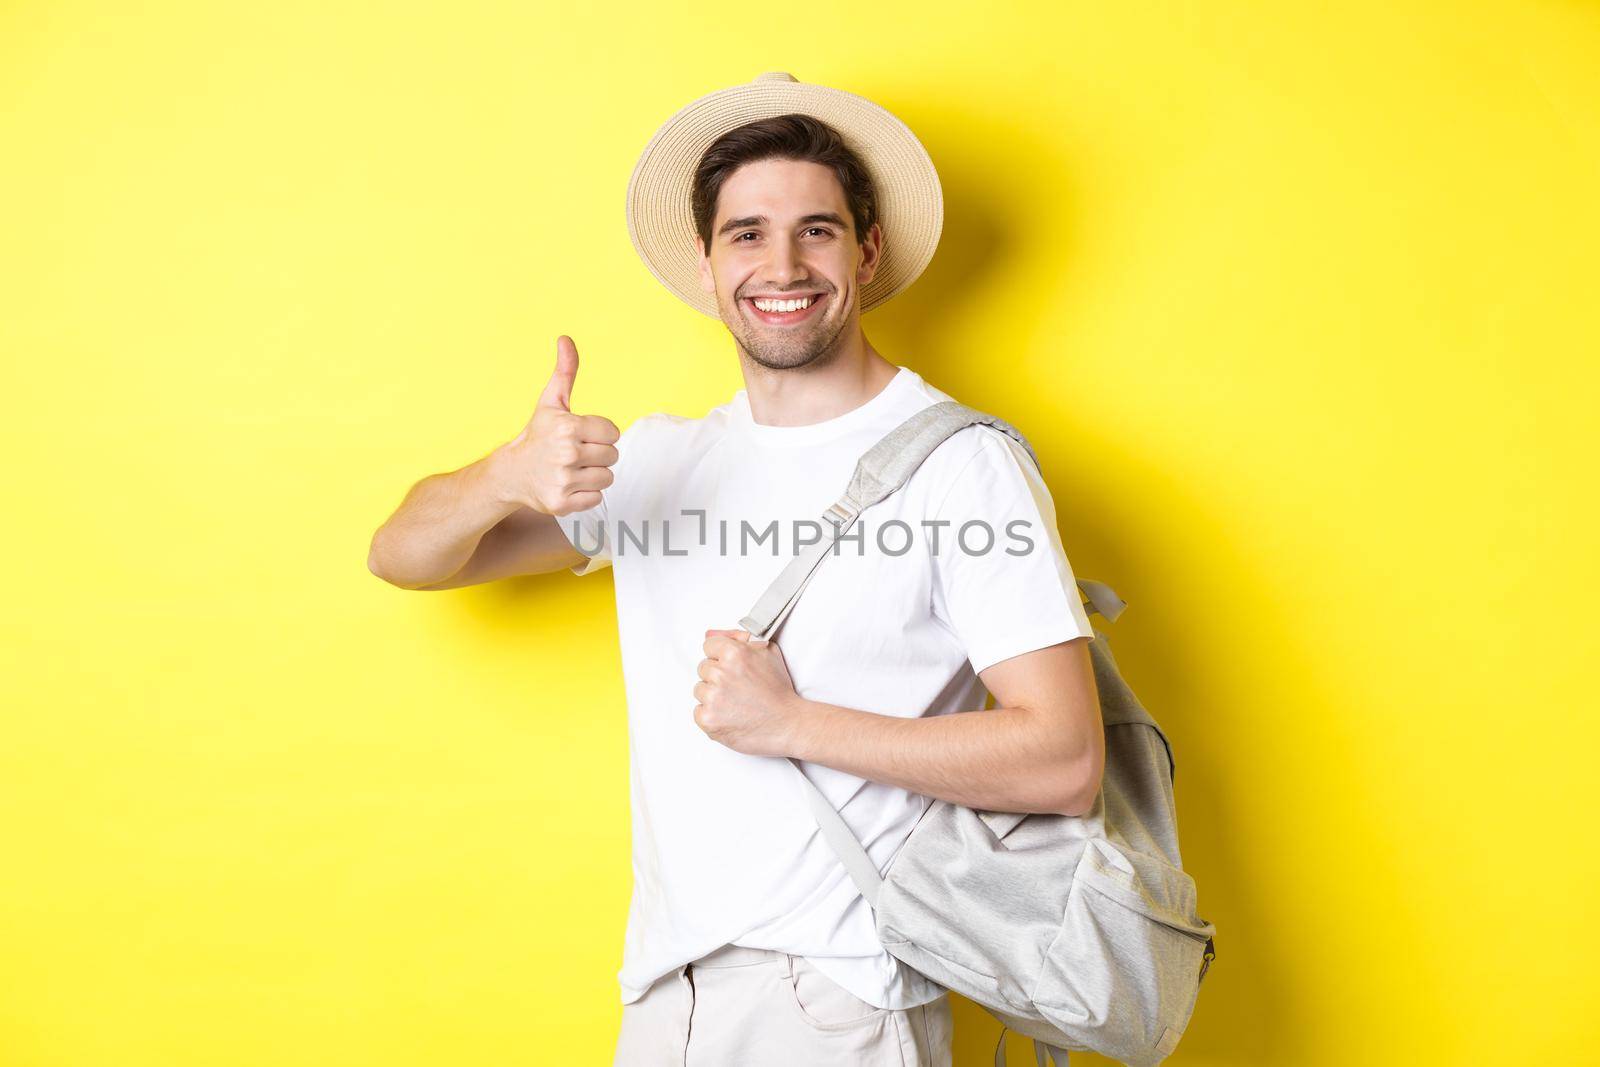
column 558, row 391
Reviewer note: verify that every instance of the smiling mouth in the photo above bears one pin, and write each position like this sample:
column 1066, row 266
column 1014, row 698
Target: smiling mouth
column 784, row 318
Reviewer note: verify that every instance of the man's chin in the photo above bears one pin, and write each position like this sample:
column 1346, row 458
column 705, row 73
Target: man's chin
column 789, row 356
column 792, row 351
column 781, row 360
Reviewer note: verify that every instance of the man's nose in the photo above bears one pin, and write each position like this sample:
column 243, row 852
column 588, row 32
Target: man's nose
column 784, row 265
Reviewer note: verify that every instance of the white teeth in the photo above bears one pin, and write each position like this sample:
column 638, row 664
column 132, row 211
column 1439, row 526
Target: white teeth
column 783, row 305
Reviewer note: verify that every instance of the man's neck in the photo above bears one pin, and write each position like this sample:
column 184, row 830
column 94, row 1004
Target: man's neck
column 816, row 393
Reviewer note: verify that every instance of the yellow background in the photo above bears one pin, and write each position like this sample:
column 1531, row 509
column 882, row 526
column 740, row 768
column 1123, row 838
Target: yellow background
column 1296, row 301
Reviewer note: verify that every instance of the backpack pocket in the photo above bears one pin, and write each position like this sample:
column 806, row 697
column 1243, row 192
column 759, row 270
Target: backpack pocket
column 1123, row 972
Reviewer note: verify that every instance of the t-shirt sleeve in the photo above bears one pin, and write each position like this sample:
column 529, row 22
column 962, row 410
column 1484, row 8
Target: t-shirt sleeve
column 590, row 530
column 1002, row 581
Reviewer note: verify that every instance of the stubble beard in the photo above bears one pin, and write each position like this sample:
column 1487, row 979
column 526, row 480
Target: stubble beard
column 815, row 345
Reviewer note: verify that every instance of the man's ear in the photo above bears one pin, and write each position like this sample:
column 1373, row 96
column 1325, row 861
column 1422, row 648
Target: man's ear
column 707, row 281
column 871, row 255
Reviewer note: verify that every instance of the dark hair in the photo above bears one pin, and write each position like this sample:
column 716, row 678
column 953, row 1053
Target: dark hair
column 797, row 137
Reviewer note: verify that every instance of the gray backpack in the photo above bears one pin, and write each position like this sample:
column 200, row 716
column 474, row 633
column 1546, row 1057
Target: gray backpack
column 1077, row 931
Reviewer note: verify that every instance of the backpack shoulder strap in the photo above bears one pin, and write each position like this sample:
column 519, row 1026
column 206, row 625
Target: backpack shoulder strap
column 890, row 463
column 885, row 467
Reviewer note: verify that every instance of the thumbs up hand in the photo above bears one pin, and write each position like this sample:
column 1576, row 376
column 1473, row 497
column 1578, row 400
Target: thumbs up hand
column 560, row 461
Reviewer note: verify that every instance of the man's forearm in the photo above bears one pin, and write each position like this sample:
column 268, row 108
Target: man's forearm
column 1003, row 759
column 435, row 529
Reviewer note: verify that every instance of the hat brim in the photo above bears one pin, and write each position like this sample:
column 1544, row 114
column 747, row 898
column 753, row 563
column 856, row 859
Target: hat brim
column 910, row 199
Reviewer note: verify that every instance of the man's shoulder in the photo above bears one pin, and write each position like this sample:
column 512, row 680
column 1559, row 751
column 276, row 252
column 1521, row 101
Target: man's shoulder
column 967, row 441
column 981, row 455
column 666, row 423
column 987, row 459
column 663, row 434
column 971, row 442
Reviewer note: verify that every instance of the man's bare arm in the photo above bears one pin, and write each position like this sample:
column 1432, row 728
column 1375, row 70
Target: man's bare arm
column 452, row 530
column 1041, row 749
column 498, row 517
column 524, row 542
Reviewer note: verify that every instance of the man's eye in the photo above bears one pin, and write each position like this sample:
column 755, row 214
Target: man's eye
column 810, row 229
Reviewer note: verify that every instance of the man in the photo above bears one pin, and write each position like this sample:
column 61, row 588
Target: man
column 787, row 210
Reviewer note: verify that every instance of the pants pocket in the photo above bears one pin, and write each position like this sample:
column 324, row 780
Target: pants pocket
column 824, row 1004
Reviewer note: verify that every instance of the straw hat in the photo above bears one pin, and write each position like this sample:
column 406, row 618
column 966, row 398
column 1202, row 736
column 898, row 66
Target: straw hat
column 910, row 202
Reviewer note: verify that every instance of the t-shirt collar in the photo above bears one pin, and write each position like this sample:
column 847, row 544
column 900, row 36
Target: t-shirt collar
column 826, row 430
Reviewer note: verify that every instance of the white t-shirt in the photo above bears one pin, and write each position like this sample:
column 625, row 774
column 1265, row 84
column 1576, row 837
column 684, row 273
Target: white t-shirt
column 899, row 622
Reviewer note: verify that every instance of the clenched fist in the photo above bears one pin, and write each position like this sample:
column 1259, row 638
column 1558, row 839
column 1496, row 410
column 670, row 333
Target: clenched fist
column 560, row 461
column 747, row 700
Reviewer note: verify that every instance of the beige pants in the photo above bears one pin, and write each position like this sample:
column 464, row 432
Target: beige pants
column 750, row 1007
